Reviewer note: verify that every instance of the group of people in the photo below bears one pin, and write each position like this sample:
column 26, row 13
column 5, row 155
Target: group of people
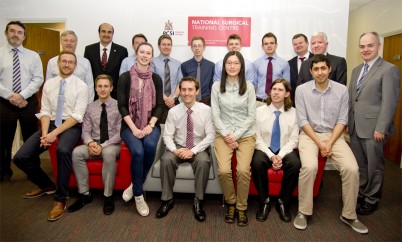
column 242, row 108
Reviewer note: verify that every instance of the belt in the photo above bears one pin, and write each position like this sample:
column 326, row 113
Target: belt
column 261, row 100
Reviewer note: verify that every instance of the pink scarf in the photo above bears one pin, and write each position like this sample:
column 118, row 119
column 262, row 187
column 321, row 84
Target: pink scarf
column 141, row 101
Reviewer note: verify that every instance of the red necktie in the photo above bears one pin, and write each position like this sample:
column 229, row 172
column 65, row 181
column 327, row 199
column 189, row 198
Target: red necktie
column 269, row 76
column 104, row 59
column 302, row 58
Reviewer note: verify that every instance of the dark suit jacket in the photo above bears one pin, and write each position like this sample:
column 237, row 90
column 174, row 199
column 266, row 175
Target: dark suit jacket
column 374, row 107
column 294, row 74
column 117, row 55
column 338, row 70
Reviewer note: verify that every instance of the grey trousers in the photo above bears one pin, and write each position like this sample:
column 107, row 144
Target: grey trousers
column 109, row 155
column 200, row 163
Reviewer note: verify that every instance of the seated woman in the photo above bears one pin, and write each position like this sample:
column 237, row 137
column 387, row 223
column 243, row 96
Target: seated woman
column 277, row 136
column 233, row 113
column 140, row 103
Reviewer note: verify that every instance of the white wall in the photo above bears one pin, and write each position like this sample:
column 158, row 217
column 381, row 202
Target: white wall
column 282, row 17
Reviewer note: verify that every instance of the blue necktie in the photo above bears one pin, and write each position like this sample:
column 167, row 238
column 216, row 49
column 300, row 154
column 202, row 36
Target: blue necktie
column 360, row 81
column 276, row 134
column 60, row 103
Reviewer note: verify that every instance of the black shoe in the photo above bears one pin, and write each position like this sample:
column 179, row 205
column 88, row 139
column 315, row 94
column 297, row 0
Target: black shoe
column 199, row 212
column 81, row 201
column 164, row 208
column 360, row 200
column 284, row 214
column 242, row 219
column 230, row 213
column 367, row 208
column 263, row 211
column 108, row 205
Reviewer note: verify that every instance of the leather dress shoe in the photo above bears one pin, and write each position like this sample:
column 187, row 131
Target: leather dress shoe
column 230, row 215
column 57, row 211
column 164, row 208
column 80, row 203
column 41, row 191
column 108, row 205
column 367, row 208
column 284, row 214
column 199, row 212
column 262, row 213
column 242, row 219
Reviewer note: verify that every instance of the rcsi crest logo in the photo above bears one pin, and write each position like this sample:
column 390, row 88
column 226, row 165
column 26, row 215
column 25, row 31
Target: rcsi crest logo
column 168, row 28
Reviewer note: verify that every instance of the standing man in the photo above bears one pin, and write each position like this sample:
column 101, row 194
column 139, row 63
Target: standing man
column 322, row 114
column 105, row 56
column 187, row 145
column 101, row 137
column 234, row 44
column 64, row 100
column 268, row 68
column 169, row 70
column 129, row 61
column 201, row 69
column 319, row 44
column 277, row 137
column 300, row 46
column 373, row 99
column 21, row 76
column 68, row 41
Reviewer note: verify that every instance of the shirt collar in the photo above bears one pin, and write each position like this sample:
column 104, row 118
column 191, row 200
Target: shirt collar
column 314, row 87
column 370, row 63
column 108, row 102
column 272, row 108
column 19, row 48
column 108, row 47
column 274, row 56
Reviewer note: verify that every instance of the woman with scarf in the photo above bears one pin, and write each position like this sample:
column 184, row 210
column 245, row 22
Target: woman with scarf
column 140, row 102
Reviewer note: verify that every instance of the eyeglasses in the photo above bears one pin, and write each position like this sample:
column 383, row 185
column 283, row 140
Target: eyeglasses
column 65, row 62
column 233, row 63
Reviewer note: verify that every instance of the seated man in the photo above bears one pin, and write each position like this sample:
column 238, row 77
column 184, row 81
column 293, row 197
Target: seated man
column 64, row 100
column 277, row 136
column 187, row 145
column 101, row 121
column 322, row 114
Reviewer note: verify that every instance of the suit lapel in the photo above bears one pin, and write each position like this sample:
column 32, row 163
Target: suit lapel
column 371, row 72
column 112, row 55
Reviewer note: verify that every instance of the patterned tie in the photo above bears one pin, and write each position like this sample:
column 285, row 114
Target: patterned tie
column 168, row 87
column 198, row 77
column 60, row 104
column 103, row 125
column 190, row 130
column 104, row 59
column 276, row 134
column 360, row 81
column 269, row 76
column 16, row 72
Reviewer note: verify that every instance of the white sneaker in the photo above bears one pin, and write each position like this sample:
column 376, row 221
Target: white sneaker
column 128, row 193
column 142, row 206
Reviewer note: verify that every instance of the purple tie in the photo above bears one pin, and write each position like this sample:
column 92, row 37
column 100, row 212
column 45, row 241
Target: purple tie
column 190, row 130
column 269, row 76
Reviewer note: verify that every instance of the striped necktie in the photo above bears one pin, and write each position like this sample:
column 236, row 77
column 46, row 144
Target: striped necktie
column 360, row 81
column 16, row 72
column 60, row 103
column 190, row 130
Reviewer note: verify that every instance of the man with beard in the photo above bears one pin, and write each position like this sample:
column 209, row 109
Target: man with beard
column 64, row 101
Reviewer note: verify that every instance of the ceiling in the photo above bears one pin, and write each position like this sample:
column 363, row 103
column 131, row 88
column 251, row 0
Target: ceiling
column 356, row 4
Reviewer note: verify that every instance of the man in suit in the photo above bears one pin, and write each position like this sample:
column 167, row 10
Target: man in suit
column 319, row 44
column 21, row 76
column 373, row 98
column 300, row 46
column 105, row 56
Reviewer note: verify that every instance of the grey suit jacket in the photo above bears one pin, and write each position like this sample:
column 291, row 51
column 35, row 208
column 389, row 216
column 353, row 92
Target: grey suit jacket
column 373, row 109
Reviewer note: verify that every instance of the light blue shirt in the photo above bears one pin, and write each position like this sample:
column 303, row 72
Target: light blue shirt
column 127, row 63
column 158, row 66
column 31, row 71
column 322, row 110
column 280, row 69
column 250, row 75
column 232, row 113
column 83, row 71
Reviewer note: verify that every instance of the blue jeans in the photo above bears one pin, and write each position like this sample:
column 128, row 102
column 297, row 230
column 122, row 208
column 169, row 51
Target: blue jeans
column 142, row 155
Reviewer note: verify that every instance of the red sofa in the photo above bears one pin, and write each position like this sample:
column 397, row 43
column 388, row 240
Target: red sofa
column 275, row 178
column 123, row 176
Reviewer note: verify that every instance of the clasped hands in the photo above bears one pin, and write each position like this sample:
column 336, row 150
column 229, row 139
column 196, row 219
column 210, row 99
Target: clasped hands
column 325, row 149
column 183, row 153
column 94, row 149
column 231, row 141
column 47, row 139
column 169, row 101
column 18, row 100
column 141, row 133
column 276, row 162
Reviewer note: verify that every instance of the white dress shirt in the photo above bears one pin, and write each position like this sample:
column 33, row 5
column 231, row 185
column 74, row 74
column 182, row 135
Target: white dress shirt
column 176, row 127
column 75, row 98
column 289, row 129
column 83, row 71
column 108, row 47
column 31, row 71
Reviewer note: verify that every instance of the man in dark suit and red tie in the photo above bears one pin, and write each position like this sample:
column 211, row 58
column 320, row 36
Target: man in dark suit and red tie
column 105, row 56
column 300, row 46
column 373, row 98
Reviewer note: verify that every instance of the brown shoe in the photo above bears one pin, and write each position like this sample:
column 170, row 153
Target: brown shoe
column 57, row 211
column 40, row 191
